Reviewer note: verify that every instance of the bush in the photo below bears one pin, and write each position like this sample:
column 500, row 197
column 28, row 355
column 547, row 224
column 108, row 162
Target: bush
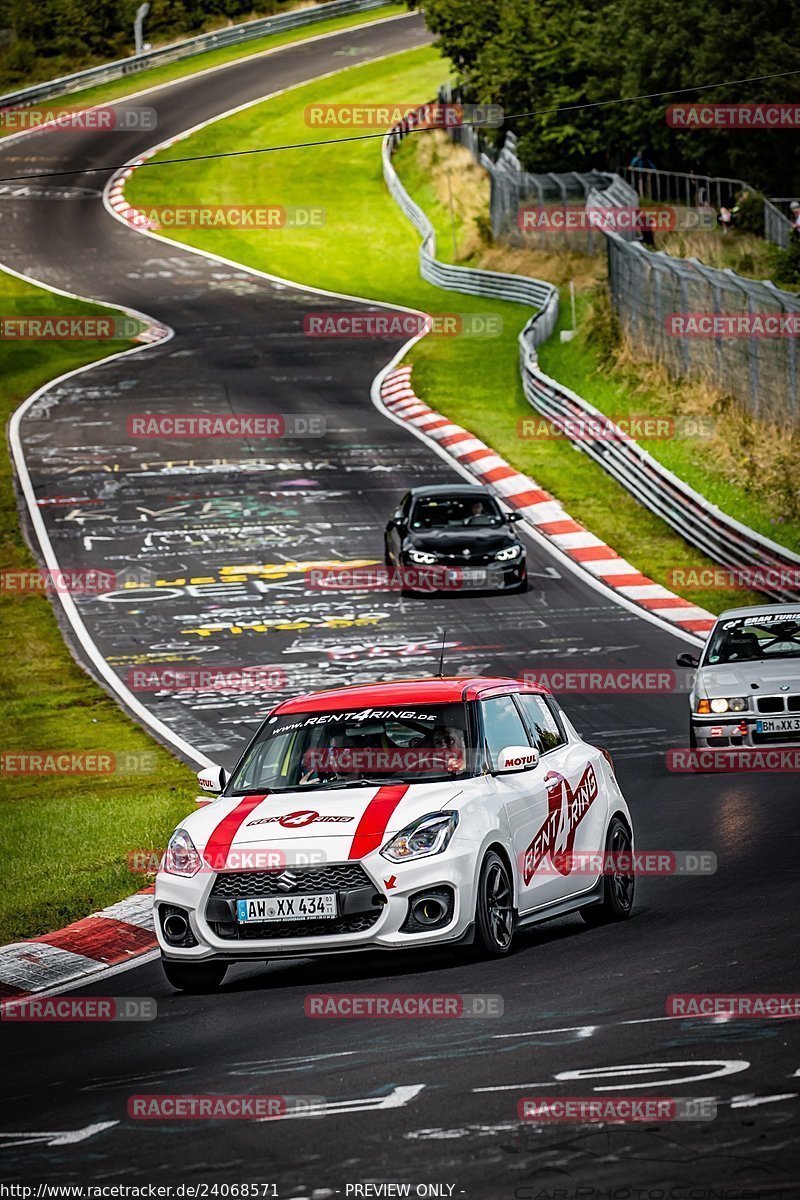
column 789, row 262
column 749, row 213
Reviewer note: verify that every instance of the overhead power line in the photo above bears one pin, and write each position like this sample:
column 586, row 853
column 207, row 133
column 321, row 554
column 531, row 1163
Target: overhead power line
column 365, row 137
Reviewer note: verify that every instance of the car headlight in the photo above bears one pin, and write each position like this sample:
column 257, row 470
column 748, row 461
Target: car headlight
column 508, row 554
column 181, row 857
column 733, row 704
column 429, row 835
column 421, row 556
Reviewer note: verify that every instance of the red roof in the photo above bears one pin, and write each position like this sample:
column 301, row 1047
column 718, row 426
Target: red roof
column 407, row 691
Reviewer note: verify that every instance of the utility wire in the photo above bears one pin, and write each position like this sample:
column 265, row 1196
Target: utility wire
column 364, row 137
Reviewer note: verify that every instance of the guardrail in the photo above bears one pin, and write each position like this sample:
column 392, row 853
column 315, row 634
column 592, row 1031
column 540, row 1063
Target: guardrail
column 721, row 537
column 690, row 514
column 654, row 184
column 185, row 49
column 470, row 280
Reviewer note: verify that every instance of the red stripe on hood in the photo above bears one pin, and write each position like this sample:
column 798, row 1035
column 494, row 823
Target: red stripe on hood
column 221, row 840
column 372, row 826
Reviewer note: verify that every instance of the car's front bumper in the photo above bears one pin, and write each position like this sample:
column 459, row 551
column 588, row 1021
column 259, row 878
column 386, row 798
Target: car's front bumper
column 735, row 730
column 495, row 577
column 393, row 884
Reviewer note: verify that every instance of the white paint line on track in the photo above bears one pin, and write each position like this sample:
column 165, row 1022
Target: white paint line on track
column 398, row 1097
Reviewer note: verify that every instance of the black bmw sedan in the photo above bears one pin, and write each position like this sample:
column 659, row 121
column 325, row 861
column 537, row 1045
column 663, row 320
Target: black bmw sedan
column 458, row 528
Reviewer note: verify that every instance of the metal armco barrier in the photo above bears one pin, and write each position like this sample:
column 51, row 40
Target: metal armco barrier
column 469, row 280
column 185, row 49
column 724, row 539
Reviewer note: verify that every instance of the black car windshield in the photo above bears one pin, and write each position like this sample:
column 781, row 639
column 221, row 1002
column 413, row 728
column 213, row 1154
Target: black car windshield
column 356, row 747
column 755, row 639
column 455, row 512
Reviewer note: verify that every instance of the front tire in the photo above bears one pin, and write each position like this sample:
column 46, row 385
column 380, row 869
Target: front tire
column 618, row 888
column 494, row 908
column 198, row 979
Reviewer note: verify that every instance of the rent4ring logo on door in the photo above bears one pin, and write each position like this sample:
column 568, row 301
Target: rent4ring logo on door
column 566, row 810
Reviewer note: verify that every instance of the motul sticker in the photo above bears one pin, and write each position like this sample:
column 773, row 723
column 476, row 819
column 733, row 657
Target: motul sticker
column 566, row 810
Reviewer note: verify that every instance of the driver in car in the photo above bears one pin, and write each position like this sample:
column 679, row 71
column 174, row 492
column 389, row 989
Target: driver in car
column 450, row 748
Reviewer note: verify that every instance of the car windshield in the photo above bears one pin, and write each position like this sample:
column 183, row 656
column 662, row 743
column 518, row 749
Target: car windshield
column 455, row 512
column 356, row 747
column 755, row 639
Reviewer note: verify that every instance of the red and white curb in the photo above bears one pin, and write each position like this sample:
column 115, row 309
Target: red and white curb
column 114, row 936
column 540, row 509
column 116, row 192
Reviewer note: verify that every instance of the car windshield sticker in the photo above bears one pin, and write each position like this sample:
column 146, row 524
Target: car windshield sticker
column 364, row 714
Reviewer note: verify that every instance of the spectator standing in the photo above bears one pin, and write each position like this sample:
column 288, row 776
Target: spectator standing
column 794, row 216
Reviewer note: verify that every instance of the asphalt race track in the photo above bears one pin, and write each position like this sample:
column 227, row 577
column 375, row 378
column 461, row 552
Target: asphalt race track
column 424, row 1102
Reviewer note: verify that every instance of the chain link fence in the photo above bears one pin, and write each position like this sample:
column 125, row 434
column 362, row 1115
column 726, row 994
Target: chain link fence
column 739, row 334
column 702, row 322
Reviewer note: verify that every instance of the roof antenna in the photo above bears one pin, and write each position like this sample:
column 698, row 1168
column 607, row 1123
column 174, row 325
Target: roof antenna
column 441, row 656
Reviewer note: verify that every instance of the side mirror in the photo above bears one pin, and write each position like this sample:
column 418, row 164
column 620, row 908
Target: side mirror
column 517, row 758
column 213, row 778
column 687, row 660
column 396, row 520
column 512, row 517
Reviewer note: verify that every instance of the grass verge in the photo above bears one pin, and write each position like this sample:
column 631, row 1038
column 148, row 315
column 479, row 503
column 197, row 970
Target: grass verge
column 367, row 248
column 68, row 835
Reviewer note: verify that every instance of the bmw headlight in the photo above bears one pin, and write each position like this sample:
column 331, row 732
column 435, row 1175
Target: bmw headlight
column 732, row 704
column 422, row 838
column 421, row 556
column 510, row 553
column 181, row 857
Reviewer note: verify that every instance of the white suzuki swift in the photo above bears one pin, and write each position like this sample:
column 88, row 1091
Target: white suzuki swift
column 393, row 815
